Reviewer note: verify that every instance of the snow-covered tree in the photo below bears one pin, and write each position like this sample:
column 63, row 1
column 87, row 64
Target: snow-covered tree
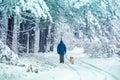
column 88, row 20
column 41, row 23
column 28, row 14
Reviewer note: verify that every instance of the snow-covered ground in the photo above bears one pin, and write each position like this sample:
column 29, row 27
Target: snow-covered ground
column 49, row 68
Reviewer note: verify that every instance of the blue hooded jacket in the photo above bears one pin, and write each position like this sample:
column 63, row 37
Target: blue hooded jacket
column 61, row 48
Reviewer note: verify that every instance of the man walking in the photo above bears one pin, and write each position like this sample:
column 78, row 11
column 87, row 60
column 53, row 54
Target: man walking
column 61, row 50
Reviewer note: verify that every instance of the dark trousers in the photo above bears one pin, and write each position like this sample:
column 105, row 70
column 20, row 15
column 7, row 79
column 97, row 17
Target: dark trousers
column 61, row 58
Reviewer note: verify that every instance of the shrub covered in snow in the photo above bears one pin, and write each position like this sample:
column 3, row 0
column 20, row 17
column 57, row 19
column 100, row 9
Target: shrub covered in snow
column 99, row 50
column 8, row 56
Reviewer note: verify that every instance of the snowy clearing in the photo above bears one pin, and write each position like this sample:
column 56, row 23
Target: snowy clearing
column 49, row 68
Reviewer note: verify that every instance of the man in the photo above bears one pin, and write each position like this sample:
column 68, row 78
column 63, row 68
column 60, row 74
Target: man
column 61, row 50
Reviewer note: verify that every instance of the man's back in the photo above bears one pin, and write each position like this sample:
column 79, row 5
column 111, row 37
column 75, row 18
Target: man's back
column 61, row 49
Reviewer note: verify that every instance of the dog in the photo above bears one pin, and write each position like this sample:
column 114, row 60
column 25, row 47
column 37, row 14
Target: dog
column 71, row 59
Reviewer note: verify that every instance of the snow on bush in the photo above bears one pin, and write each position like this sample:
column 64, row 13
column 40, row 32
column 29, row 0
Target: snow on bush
column 100, row 50
column 8, row 56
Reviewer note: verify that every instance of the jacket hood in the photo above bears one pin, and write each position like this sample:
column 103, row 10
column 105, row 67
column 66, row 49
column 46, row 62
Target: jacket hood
column 61, row 41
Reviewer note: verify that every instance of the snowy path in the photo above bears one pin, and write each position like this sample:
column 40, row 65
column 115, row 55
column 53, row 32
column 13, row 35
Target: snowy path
column 100, row 70
column 104, row 75
column 50, row 69
column 90, row 69
column 97, row 70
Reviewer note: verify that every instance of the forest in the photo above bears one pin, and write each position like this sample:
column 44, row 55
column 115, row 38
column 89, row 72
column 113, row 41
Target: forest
column 33, row 26
column 31, row 32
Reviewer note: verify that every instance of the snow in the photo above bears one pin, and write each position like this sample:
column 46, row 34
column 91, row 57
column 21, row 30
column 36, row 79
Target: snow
column 37, row 7
column 77, row 52
column 8, row 56
column 100, row 16
column 49, row 68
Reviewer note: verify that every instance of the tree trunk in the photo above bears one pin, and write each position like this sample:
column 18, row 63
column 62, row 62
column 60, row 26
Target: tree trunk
column 10, row 32
column 28, row 42
column 15, row 34
column 50, row 37
column 37, row 37
column 4, row 27
column 43, row 38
